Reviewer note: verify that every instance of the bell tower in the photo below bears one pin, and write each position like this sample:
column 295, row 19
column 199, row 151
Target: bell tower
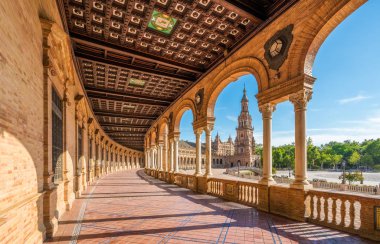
column 244, row 143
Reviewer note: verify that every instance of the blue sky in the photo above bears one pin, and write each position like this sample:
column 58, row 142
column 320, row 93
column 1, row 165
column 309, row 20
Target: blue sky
column 345, row 103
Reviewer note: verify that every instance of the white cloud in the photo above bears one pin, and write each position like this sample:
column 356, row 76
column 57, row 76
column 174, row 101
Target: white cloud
column 232, row 118
column 357, row 98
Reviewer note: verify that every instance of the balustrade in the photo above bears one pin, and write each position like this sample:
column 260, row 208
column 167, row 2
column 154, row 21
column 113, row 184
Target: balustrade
column 338, row 210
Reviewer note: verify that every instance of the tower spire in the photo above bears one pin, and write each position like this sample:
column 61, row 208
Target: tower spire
column 245, row 98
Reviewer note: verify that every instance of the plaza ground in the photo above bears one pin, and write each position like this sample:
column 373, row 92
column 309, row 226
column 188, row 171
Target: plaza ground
column 131, row 207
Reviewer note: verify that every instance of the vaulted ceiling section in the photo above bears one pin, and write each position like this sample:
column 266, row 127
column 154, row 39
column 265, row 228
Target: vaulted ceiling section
column 136, row 57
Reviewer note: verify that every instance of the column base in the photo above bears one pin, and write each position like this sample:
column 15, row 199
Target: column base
column 198, row 174
column 208, row 175
column 303, row 185
column 267, row 181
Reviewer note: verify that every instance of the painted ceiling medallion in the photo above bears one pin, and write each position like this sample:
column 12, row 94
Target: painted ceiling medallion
column 162, row 22
column 136, row 82
column 277, row 47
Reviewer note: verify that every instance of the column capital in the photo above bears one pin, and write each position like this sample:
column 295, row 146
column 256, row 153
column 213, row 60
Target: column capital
column 300, row 99
column 160, row 143
column 267, row 109
column 198, row 131
column 174, row 135
column 208, row 128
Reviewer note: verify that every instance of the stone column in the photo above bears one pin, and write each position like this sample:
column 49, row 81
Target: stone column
column 104, row 168
column 176, row 168
column 198, row 152
column 128, row 161
column 151, row 158
column 146, row 158
column 165, row 161
column 300, row 100
column 160, row 156
column 171, row 152
column 208, row 130
column 266, row 111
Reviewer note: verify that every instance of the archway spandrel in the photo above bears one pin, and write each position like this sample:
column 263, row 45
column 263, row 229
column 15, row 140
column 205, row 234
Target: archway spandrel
column 236, row 69
column 185, row 105
column 311, row 34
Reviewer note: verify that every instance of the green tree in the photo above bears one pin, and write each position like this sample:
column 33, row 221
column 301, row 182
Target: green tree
column 352, row 177
column 354, row 158
column 367, row 160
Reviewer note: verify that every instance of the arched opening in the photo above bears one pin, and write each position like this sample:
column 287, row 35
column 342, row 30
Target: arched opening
column 342, row 139
column 342, row 116
column 187, row 143
column 237, row 134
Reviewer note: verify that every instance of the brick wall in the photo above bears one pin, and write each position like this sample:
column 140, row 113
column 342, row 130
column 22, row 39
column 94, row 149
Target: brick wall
column 23, row 124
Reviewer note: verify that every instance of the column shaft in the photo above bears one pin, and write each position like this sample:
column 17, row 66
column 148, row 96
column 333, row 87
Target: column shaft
column 266, row 111
column 208, row 152
column 300, row 100
column 198, row 153
column 176, row 168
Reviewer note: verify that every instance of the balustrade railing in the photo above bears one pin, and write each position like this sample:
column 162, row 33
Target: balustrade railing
column 240, row 191
column 350, row 213
column 338, row 210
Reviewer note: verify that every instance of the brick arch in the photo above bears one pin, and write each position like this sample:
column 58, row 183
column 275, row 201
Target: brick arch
column 163, row 128
column 185, row 105
column 231, row 73
column 318, row 27
column 153, row 137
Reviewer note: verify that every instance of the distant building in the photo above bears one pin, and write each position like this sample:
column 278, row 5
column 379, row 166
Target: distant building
column 229, row 153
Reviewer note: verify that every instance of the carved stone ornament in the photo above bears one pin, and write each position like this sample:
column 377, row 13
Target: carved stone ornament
column 277, row 47
column 199, row 100
column 267, row 109
column 300, row 99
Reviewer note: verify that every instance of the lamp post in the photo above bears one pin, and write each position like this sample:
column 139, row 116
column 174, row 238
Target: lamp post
column 344, row 172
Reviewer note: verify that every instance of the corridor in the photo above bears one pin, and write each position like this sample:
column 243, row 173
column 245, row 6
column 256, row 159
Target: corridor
column 131, row 207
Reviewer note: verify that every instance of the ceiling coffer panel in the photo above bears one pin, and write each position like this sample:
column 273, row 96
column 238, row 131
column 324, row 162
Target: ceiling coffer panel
column 136, row 57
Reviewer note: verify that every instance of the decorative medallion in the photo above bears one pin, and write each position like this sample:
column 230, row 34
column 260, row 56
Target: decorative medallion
column 162, row 22
column 277, row 47
column 199, row 100
column 136, row 82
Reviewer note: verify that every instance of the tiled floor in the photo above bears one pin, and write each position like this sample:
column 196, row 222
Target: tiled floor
column 130, row 207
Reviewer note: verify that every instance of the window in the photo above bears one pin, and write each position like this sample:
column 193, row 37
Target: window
column 57, row 135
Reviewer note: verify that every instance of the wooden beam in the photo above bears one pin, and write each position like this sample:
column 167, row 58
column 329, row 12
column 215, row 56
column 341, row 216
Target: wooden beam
column 135, row 68
column 132, row 126
column 243, row 8
column 124, row 116
column 107, row 94
column 125, row 134
column 85, row 40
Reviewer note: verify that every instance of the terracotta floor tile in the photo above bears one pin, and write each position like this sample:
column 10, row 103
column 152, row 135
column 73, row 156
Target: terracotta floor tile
column 131, row 207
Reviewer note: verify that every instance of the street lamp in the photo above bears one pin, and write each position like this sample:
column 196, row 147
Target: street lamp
column 344, row 172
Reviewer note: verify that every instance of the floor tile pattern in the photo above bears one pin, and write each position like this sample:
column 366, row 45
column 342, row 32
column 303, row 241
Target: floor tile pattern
column 131, row 207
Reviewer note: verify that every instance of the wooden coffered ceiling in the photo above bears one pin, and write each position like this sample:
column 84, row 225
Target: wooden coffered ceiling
column 136, row 57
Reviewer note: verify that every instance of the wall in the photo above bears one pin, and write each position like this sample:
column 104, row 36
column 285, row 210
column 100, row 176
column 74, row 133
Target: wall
column 24, row 214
